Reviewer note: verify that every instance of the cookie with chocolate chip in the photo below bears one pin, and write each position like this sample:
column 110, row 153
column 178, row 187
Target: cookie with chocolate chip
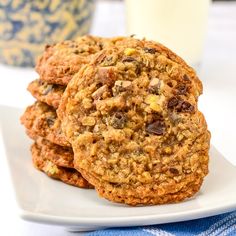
column 67, row 175
column 48, row 93
column 61, row 61
column 41, row 120
column 131, row 116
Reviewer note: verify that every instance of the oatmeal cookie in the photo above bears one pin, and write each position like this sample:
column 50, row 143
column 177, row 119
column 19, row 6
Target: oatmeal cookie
column 48, row 93
column 41, row 120
column 66, row 175
column 58, row 155
column 61, row 61
column 131, row 116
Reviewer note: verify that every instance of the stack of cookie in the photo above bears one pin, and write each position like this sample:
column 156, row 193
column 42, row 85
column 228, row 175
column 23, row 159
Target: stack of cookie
column 120, row 115
column 51, row 152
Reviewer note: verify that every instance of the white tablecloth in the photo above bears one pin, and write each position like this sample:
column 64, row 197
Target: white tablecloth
column 218, row 73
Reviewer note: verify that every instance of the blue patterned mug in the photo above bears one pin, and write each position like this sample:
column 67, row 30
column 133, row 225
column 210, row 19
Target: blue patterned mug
column 26, row 26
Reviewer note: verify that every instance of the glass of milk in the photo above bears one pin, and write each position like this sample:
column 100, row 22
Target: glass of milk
column 178, row 24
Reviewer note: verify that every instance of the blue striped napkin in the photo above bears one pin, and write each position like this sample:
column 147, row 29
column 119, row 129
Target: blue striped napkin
column 224, row 224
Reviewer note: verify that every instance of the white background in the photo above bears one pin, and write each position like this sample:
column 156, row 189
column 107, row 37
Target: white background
column 218, row 73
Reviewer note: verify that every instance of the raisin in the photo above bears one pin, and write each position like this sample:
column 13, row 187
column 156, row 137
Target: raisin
column 40, row 82
column 138, row 69
column 128, row 59
column 150, row 50
column 186, row 78
column 50, row 121
column 76, row 52
column 118, row 120
column 174, row 171
column 67, row 70
column 47, row 89
column 100, row 45
column 157, row 127
column 173, row 102
column 47, row 46
column 170, row 84
column 182, row 89
column 186, row 107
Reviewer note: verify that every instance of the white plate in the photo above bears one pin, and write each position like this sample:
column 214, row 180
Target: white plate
column 42, row 199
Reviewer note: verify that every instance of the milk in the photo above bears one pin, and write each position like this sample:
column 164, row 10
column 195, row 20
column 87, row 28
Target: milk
column 178, row 24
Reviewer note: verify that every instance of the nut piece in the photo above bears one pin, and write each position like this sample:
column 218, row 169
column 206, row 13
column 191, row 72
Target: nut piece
column 106, row 75
column 99, row 92
column 118, row 120
column 87, row 103
column 88, row 121
column 154, row 101
column 155, row 86
column 48, row 89
column 121, row 86
column 129, row 51
column 51, row 168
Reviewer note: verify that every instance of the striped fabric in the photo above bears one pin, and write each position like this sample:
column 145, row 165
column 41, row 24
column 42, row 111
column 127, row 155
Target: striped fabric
column 222, row 225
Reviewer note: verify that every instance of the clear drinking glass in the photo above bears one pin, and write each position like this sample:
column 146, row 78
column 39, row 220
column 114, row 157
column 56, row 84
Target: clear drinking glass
column 178, row 24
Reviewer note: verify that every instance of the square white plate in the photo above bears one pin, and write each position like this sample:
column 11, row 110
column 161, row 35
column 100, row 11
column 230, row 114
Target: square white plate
column 41, row 199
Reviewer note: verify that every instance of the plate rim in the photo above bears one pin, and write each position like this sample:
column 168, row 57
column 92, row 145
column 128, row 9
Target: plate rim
column 125, row 221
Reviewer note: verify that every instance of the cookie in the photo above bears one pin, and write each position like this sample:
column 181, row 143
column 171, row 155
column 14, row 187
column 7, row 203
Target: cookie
column 66, row 175
column 131, row 116
column 58, row 155
column 48, row 93
column 61, row 61
column 41, row 120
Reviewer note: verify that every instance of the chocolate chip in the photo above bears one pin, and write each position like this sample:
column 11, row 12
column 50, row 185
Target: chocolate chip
column 47, row 89
column 118, row 120
column 50, row 121
column 154, row 86
column 174, row 171
column 150, row 50
column 128, row 59
column 173, row 102
column 157, row 127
